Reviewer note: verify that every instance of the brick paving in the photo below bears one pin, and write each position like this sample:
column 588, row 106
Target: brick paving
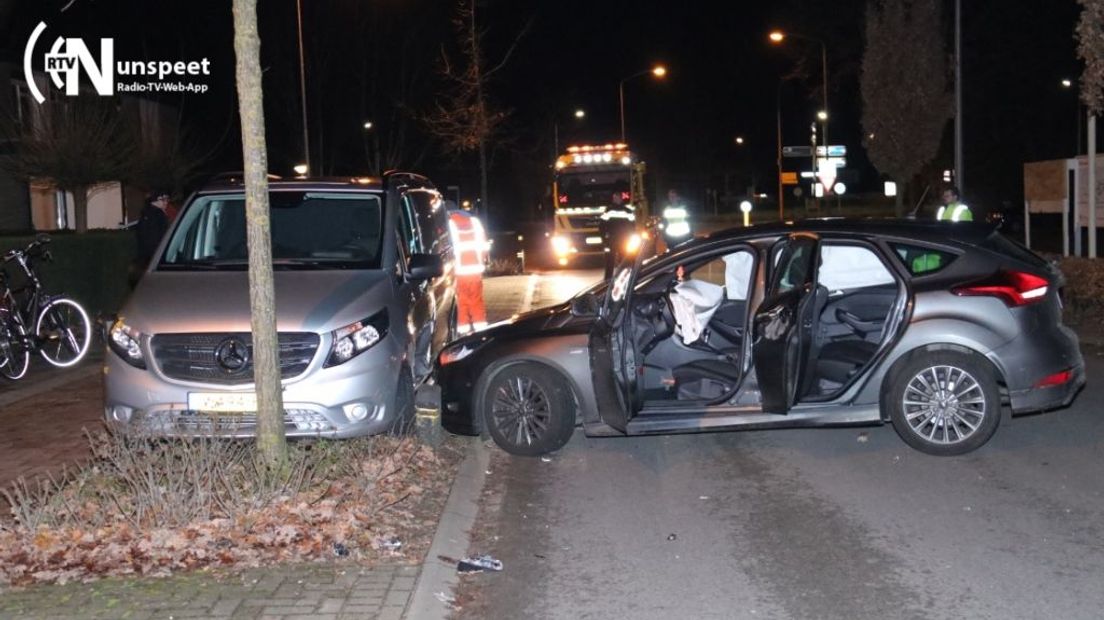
column 41, row 433
column 319, row 592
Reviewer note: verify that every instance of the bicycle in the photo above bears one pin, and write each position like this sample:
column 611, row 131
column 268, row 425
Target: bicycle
column 62, row 332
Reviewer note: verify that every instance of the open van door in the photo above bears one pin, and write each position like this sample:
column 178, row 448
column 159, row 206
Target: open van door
column 783, row 326
column 612, row 352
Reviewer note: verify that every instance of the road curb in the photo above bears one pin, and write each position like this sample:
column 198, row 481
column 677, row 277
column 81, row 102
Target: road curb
column 452, row 537
column 21, row 391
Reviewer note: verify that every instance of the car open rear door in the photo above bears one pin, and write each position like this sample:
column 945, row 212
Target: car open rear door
column 612, row 356
column 784, row 322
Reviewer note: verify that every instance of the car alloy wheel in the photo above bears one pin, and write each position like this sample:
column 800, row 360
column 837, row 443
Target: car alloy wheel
column 528, row 409
column 521, row 411
column 944, row 402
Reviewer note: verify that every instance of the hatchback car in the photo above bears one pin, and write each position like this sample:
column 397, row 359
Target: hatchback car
column 364, row 302
column 935, row 328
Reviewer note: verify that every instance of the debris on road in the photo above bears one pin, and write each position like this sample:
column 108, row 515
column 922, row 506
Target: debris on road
column 478, row 564
column 340, row 550
column 863, row 437
column 546, row 459
column 672, row 537
column 446, row 598
column 389, row 544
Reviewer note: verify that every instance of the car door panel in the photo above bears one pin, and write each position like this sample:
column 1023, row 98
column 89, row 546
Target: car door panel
column 784, row 324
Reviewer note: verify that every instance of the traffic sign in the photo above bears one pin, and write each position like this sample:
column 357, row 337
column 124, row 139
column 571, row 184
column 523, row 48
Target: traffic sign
column 789, row 178
column 833, row 150
column 797, row 151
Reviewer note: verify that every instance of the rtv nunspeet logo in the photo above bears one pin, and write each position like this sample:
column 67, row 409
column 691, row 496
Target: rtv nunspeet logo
column 68, row 55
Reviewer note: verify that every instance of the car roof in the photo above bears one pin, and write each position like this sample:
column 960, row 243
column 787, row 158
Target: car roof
column 930, row 231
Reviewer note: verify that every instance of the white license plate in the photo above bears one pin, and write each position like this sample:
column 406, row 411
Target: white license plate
column 594, row 240
column 223, row 402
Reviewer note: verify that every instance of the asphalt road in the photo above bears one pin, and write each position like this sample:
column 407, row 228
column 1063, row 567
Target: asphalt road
column 823, row 523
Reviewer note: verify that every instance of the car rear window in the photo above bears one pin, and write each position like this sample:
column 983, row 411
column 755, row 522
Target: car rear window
column 1004, row 246
column 920, row 260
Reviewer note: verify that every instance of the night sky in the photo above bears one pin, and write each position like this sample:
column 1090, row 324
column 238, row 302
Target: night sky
column 379, row 60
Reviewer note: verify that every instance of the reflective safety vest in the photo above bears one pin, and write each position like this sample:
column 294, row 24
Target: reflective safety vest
column 954, row 212
column 469, row 243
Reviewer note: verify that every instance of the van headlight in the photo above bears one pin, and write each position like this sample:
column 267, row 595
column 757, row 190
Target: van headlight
column 124, row 341
column 352, row 340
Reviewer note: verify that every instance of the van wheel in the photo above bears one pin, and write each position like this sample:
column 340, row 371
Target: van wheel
column 528, row 410
column 944, row 403
column 405, row 414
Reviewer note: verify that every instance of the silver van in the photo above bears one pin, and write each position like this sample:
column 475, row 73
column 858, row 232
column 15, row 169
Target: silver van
column 364, row 301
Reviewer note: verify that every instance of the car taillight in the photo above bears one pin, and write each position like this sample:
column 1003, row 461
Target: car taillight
column 1014, row 288
column 1058, row 378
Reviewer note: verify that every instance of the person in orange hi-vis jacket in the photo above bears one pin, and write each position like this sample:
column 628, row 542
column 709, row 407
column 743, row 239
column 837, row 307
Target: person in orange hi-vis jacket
column 469, row 243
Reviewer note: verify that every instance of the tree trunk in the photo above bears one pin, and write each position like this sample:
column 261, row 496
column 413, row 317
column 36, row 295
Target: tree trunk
column 80, row 208
column 271, row 441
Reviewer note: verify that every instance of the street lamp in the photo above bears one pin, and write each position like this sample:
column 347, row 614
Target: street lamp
column 777, row 37
column 658, row 71
column 367, row 125
column 1068, row 85
column 580, row 114
column 301, row 169
column 740, row 140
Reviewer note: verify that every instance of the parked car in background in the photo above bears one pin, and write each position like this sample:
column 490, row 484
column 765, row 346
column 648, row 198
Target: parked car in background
column 364, row 301
column 933, row 327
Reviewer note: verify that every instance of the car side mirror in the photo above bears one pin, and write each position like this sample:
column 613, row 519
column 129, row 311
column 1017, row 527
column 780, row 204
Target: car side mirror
column 425, row 267
column 584, row 305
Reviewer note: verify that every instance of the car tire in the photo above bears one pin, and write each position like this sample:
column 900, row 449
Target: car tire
column 405, row 414
column 528, row 410
column 944, row 403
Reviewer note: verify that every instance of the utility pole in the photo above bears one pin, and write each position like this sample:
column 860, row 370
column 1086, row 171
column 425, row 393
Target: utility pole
column 960, row 177
column 303, row 85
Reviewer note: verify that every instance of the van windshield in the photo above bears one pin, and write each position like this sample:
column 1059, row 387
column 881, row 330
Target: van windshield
column 310, row 230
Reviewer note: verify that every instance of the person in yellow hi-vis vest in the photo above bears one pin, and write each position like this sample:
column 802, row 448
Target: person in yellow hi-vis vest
column 953, row 209
column 469, row 243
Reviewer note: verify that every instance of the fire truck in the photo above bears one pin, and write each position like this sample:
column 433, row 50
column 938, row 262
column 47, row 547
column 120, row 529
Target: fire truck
column 587, row 180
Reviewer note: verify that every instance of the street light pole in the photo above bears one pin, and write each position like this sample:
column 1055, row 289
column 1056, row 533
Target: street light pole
column 781, row 195
column 960, row 176
column 659, row 71
column 302, row 83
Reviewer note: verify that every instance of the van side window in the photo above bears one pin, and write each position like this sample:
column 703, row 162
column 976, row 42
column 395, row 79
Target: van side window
column 408, row 228
column 432, row 221
column 920, row 260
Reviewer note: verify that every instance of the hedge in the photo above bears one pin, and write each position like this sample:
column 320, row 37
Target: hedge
column 92, row 268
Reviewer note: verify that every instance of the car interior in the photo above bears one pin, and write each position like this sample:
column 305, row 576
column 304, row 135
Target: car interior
column 690, row 327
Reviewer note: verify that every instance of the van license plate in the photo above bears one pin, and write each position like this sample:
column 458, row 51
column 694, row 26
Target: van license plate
column 594, row 240
column 228, row 402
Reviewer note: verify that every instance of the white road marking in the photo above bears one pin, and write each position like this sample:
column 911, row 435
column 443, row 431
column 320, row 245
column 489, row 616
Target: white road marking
column 530, row 288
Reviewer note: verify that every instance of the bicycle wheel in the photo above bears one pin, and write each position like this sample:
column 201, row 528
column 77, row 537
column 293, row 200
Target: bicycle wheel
column 63, row 332
column 15, row 357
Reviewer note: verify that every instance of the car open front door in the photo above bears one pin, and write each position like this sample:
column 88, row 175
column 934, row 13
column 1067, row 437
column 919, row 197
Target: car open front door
column 612, row 356
column 784, row 322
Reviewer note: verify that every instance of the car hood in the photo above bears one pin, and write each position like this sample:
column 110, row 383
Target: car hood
column 553, row 320
column 312, row 301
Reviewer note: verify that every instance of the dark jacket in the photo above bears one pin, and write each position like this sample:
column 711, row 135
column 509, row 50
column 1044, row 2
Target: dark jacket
column 151, row 226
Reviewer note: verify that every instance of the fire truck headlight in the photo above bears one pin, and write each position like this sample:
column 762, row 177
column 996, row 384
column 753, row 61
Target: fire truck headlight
column 561, row 245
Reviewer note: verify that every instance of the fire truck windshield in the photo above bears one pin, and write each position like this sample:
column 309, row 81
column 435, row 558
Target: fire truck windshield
column 592, row 188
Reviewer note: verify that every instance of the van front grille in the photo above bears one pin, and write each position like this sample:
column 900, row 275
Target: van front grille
column 227, row 359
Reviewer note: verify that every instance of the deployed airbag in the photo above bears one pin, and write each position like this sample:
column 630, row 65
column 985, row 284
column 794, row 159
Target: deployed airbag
column 693, row 303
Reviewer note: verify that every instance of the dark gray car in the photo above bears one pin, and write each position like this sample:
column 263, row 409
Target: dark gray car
column 935, row 328
column 364, row 301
